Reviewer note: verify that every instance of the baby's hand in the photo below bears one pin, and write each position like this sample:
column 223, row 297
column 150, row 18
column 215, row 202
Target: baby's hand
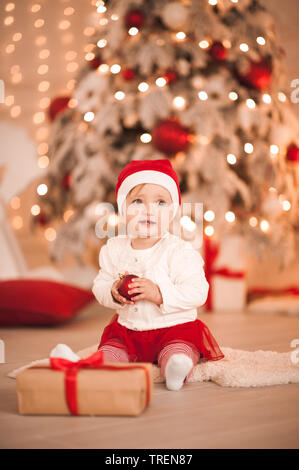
column 116, row 295
column 146, row 289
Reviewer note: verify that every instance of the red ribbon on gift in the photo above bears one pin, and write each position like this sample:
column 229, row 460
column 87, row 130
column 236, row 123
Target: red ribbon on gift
column 261, row 291
column 95, row 361
column 71, row 368
column 211, row 251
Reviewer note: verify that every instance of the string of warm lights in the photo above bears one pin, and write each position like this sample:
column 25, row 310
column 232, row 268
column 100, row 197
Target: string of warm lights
column 37, row 21
column 10, row 100
column 179, row 103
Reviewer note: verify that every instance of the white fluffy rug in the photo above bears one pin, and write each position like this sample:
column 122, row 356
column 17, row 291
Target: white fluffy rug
column 237, row 369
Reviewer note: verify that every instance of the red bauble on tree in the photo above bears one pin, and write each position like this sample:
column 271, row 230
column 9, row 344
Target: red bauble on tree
column 58, row 105
column 257, row 75
column 135, row 18
column 128, row 74
column 66, row 181
column 171, row 137
column 95, row 62
column 293, row 153
column 170, row 76
column 41, row 219
column 217, row 51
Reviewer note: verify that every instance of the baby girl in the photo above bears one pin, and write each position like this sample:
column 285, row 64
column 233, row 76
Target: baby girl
column 159, row 324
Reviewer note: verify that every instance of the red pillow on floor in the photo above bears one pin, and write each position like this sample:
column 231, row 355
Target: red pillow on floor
column 39, row 302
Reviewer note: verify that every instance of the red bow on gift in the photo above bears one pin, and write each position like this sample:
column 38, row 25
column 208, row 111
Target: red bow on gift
column 95, row 361
column 211, row 251
column 71, row 368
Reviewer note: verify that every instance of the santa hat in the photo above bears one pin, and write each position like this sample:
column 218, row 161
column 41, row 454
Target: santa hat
column 147, row 171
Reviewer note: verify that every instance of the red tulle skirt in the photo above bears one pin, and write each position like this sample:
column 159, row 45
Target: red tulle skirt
column 144, row 346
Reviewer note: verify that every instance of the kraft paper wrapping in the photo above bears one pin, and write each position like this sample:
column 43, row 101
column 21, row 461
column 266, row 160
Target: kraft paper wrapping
column 41, row 390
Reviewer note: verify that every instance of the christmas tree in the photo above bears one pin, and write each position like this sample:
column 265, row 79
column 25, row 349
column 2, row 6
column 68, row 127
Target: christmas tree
column 200, row 82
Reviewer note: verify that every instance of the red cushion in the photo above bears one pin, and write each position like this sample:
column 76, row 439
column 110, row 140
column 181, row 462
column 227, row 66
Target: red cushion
column 40, row 302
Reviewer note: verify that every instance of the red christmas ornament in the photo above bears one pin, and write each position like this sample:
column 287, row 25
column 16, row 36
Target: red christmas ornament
column 258, row 75
column 217, row 51
column 124, row 285
column 128, row 74
column 41, row 219
column 170, row 76
column 66, row 181
column 170, row 136
column 57, row 106
column 135, row 18
column 293, row 153
column 95, row 62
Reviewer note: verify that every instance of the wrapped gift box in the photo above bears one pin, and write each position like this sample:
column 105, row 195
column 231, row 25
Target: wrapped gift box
column 86, row 387
column 225, row 268
column 273, row 300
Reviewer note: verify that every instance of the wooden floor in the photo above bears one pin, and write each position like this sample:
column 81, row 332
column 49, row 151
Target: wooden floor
column 200, row 415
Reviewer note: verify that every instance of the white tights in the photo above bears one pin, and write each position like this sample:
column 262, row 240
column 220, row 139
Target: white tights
column 176, row 361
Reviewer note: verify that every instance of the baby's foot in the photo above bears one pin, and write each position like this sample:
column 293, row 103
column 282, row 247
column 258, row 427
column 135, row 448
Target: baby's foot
column 63, row 351
column 176, row 370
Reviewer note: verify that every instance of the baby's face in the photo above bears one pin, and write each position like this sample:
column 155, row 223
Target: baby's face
column 149, row 210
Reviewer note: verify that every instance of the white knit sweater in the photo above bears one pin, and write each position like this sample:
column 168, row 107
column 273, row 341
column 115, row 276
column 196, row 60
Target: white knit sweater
column 172, row 263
